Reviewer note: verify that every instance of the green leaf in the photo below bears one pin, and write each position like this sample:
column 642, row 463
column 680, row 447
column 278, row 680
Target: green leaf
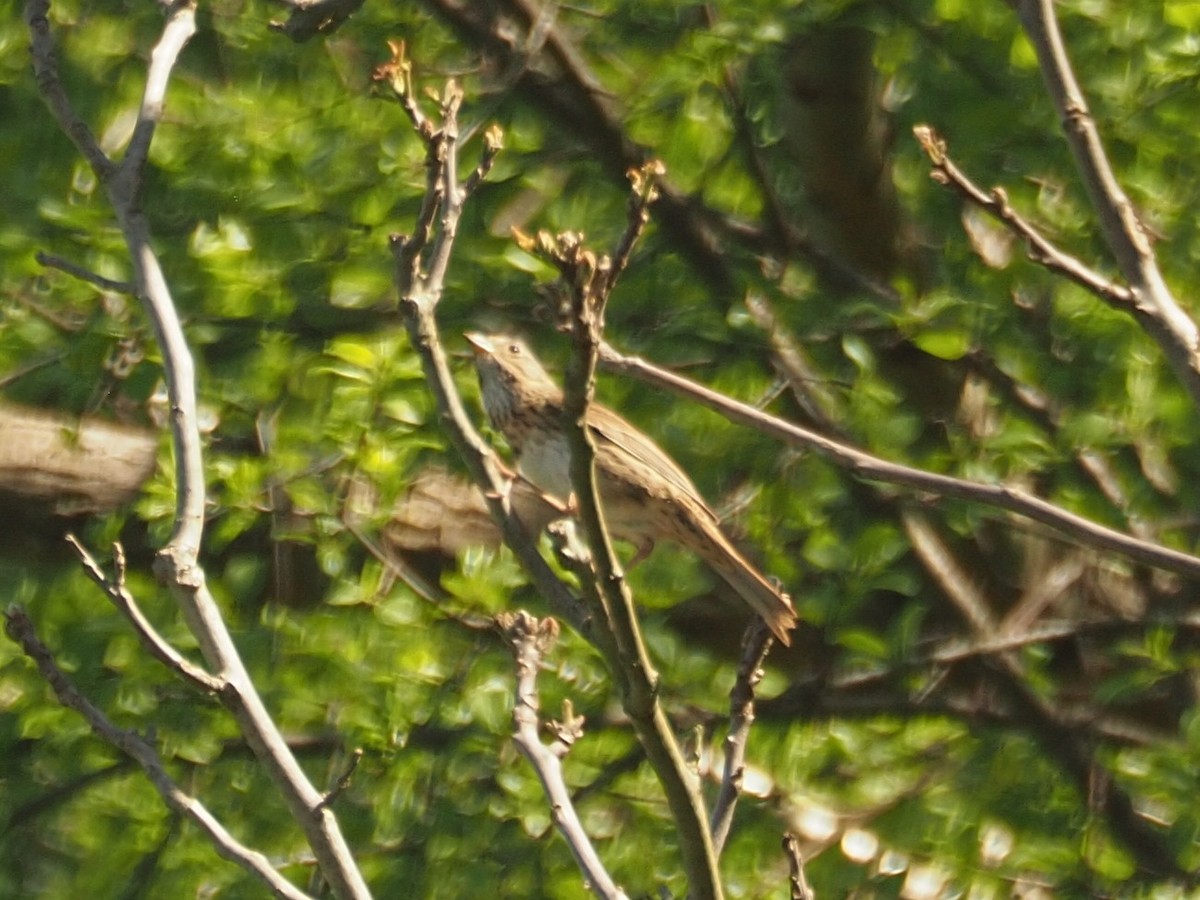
column 948, row 344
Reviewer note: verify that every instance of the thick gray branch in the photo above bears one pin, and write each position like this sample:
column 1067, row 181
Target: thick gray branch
column 177, row 563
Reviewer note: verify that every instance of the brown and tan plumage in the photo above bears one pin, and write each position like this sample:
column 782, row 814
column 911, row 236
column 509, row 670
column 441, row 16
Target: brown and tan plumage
column 646, row 496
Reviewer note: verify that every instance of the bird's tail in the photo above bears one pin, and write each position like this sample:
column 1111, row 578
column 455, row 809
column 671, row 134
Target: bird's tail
column 773, row 605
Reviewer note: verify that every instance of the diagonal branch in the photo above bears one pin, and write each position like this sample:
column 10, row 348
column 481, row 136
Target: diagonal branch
column 873, row 468
column 20, row 629
column 798, row 888
column 181, row 25
column 1070, row 738
column 155, row 643
column 996, row 204
column 1157, row 310
column 50, row 86
column 755, row 645
column 50, row 261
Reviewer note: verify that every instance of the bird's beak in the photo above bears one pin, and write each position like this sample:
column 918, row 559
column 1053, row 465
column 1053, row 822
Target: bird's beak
column 481, row 344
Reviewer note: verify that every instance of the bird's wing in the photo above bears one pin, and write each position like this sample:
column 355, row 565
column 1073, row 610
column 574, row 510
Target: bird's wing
column 615, row 435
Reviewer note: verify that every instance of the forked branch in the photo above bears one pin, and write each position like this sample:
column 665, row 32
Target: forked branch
column 588, row 280
column 21, row 630
column 530, row 639
column 178, row 562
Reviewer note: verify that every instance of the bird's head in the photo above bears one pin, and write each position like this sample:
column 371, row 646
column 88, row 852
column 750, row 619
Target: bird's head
column 509, row 374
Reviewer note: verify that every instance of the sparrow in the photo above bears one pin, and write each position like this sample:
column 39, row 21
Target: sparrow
column 646, row 497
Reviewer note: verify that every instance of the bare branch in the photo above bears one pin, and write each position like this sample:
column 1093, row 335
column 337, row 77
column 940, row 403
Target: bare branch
column 1123, row 232
column 420, row 585
column 155, row 643
column 177, row 563
column 589, row 281
column 309, row 18
column 948, row 573
column 530, row 639
column 755, row 645
column 797, row 882
column 21, row 630
column 643, row 182
column 451, row 192
column 493, row 143
column 45, row 68
column 51, row 261
column 181, row 25
column 577, row 101
column 343, row 780
column 996, row 204
column 872, row 468
column 1158, row 312
column 419, row 295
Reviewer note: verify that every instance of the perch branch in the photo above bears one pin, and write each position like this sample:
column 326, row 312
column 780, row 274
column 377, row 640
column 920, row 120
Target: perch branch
column 419, row 293
column 589, row 280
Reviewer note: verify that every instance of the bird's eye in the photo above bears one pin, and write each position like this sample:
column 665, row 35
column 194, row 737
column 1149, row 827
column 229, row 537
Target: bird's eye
column 514, row 349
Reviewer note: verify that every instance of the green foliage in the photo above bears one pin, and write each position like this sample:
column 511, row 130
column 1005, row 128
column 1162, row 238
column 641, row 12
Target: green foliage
column 272, row 188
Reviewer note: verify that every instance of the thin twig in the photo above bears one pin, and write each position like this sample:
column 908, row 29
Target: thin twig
column 21, row 630
column 576, row 100
column 309, row 18
column 343, row 780
column 13, row 376
column 949, row 573
column 995, row 203
column 643, row 182
column 50, row 86
column 493, row 143
column 155, row 643
column 420, row 585
column 51, row 261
